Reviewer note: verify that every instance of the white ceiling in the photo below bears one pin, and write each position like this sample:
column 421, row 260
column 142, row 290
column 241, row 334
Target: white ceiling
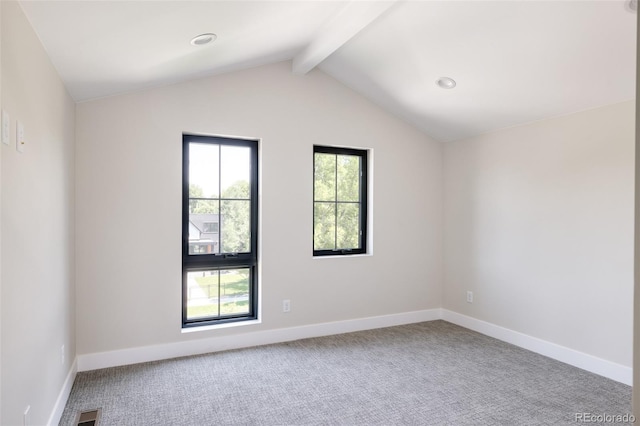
column 514, row 61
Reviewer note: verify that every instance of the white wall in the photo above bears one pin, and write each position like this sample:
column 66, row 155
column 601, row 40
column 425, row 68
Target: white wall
column 636, row 294
column 37, row 276
column 0, row 221
column 538, row 224
column 129, row 177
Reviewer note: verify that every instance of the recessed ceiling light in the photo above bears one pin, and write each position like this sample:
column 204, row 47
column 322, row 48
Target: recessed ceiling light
column 446, row 82
column 203, row 39
column 632, row 6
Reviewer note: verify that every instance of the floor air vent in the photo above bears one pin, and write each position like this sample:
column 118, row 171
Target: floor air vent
column 88, row 418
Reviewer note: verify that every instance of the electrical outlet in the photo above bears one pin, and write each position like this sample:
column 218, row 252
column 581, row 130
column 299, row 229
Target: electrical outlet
column 469, row 297
column 62, row 354
column 26, row 419
column 286, row 305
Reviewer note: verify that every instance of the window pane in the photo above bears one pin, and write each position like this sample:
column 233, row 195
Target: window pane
column 348, row 226
column 203, row 233
column 204, row 170
column 211, row 294
column 202, row 294
column 324, row 226
column 236, row 226
column 324, row 177
column 234, row 291
column 236, row 171
column 348, row 178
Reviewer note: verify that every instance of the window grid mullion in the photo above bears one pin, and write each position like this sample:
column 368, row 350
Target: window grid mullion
column 335, row 210
column 220, row 236
column 219, row 199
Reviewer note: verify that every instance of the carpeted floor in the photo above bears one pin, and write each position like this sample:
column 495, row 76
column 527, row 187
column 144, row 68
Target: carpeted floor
column 431, row 373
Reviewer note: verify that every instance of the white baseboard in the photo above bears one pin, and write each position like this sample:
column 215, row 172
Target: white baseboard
column 94, row 361
column 602, row 367
column 99, row 360
column 63, row 396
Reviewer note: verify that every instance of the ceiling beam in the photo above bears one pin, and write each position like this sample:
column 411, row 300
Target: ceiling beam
column 349, row 21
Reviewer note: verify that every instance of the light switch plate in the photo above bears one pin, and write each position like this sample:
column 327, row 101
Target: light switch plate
column 6, row 127
column 20, row 142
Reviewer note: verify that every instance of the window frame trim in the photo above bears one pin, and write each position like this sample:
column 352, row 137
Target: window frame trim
column 364, row 200
column 210, row 262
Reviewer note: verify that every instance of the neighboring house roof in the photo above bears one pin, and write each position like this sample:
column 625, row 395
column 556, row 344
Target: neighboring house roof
column 199, row 219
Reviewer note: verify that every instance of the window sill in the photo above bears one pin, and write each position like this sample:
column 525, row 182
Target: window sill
column 219, row 326
column 344, row 256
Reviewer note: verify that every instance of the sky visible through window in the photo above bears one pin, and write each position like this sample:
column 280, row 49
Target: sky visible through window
column 204, row 167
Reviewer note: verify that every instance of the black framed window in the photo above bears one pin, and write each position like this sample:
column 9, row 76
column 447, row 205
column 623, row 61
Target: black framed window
column 339, row 201
column 219, row 230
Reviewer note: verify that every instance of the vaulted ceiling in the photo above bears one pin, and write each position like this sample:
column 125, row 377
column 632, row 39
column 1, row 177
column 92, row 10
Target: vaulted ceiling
column 514, row 61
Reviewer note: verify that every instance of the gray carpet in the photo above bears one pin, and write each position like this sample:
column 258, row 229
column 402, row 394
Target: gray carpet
column 431, row 373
